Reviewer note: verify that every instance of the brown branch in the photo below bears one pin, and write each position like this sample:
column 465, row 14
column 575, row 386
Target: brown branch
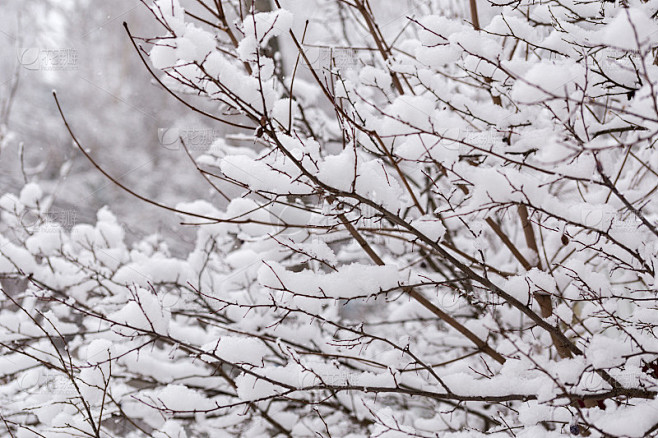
column 421, row 299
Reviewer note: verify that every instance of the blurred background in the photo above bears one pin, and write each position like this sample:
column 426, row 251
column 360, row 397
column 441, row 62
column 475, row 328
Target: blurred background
column 80, row 49
column 128, row 123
